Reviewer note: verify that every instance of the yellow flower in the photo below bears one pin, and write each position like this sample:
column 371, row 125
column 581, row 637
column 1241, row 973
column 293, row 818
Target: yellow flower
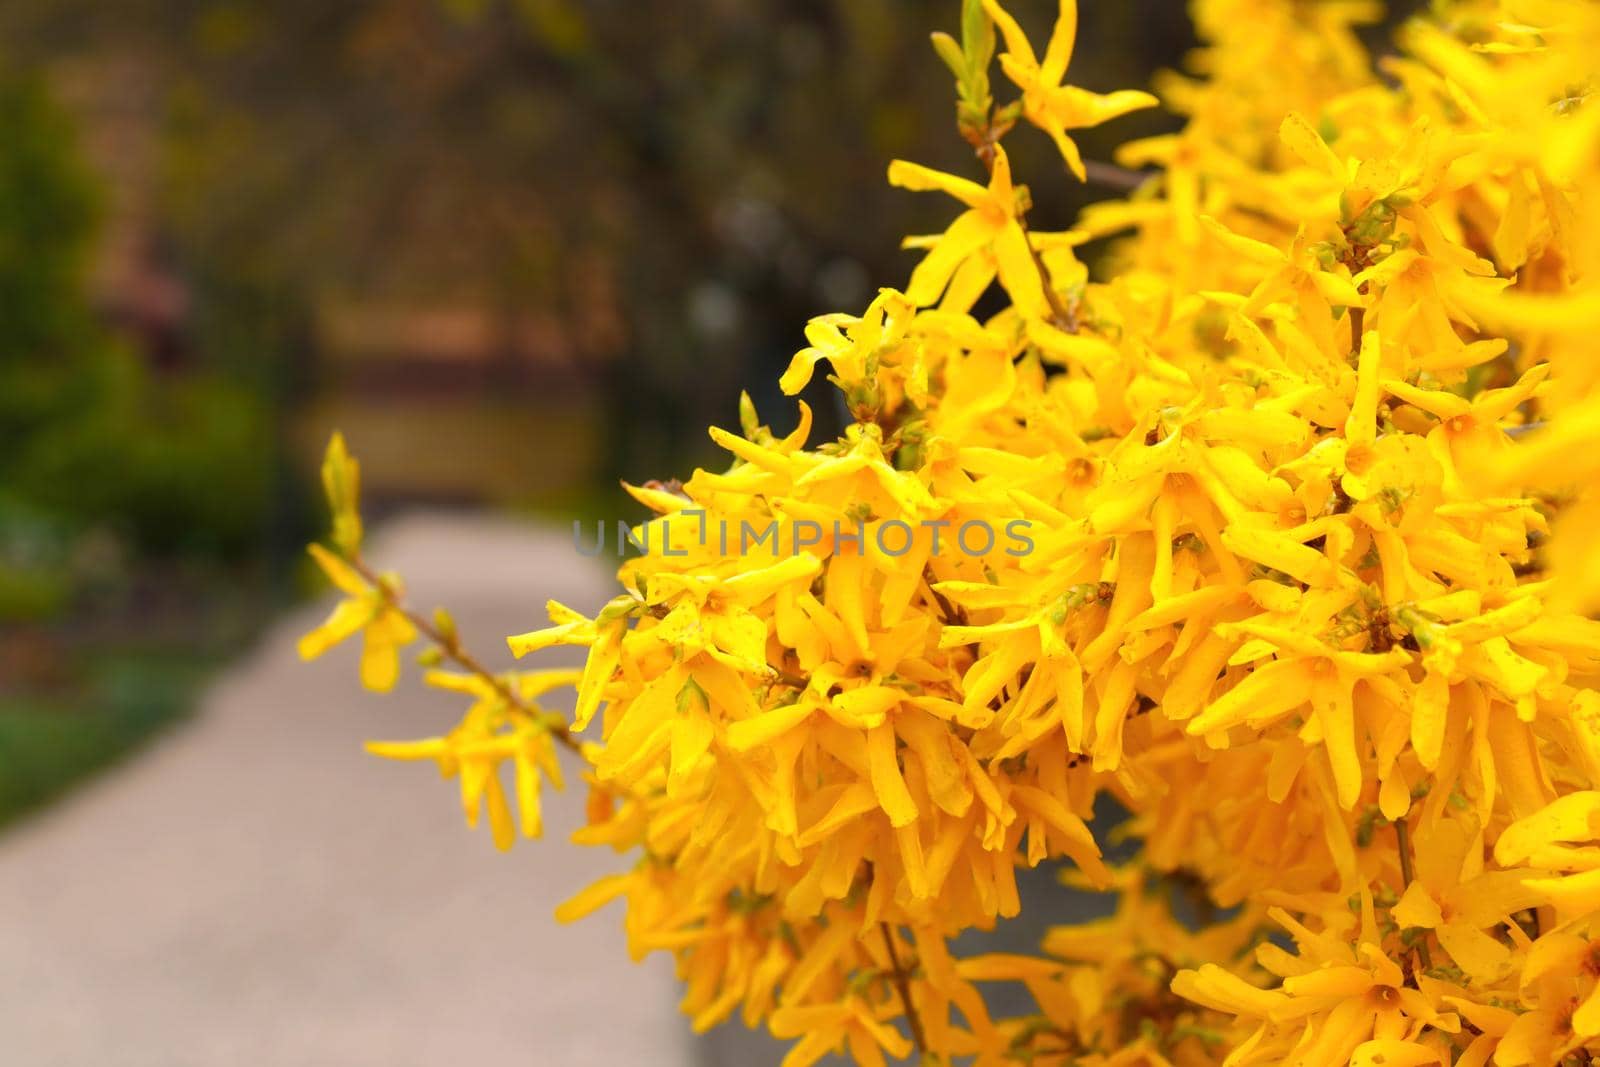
column 341, row 482
column 365, row 609
column 824, row 1028
column 1458, row 905
column 1046, row 102
column 491, row 732
column 849, row 343
column 1558, row 991
column 1305, row 671
column 989, row 224
column 1468, row 435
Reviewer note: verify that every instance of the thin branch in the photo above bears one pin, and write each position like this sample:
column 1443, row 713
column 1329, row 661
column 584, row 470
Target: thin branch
column 950, row 615
column 1114, row 177
column 450, row 645
column 1402, row 835
column 1064, row 316
column 789, row 678
column 903, row 987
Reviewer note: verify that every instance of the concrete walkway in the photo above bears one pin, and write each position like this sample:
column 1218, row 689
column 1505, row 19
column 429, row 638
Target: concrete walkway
column 254, row 890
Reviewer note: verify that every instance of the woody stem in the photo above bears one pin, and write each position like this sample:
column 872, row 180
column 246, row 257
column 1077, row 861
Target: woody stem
column 1063, row 316
column 789, row 678
column 1402, row 834
column 450, row 645
column 1114, row 177
column 903, row 987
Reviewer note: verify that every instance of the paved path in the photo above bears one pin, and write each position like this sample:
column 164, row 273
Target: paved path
column 255, row 891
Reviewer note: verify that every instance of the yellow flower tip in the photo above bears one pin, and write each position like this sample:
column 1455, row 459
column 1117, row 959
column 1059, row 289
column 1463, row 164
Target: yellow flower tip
column 593, row 897
column 431, row 748
column 1305, row 142
column 800, row 370
column 341, row 482
column 1075, row 164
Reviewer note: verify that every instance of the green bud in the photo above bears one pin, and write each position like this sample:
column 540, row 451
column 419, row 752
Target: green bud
column 445, row 623
column 951, row 53
column 692, row 696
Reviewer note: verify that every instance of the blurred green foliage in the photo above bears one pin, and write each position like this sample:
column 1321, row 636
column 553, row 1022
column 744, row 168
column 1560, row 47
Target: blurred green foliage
column 123, row 485
column 668, row 191
column 48, row 742
column 95, row 437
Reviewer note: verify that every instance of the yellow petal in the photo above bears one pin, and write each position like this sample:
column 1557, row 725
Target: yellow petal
column 887, row 783
column 918, row 178
column 761, row 730
column 341, row 574
column 1417, row 908
column 1570, row 818
column 1306, row 143
column 347, row 617
column 594, row 897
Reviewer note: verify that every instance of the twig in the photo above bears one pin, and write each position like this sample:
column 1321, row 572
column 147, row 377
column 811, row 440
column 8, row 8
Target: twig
column 951, row 615
column 450, row 645
column 1402, row 835
column 789, row 678
column 903, row 986
column 1114, row 177
column 1064, row 317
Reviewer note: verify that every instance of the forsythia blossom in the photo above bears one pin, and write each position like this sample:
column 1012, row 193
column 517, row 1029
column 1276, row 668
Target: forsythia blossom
column 1312, row 470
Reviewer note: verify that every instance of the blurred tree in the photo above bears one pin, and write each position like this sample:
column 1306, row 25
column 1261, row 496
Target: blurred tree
column 91, row 436
column 658, row 192
column 673, row 190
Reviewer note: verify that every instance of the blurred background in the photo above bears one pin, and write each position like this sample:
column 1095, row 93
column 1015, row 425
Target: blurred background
column 515, row 249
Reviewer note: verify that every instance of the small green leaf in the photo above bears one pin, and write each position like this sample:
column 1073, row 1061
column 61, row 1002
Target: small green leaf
column 977, row 35
column 445, row 623
column 951, row 53
column 341, row 481
column 692, row 696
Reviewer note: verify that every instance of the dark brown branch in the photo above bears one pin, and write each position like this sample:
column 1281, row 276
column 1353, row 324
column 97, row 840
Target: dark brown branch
column 903, row 987
column 1063, row 316
column 950, row 614
column 1114, row 177
column 789, row 678
column 1402, row 835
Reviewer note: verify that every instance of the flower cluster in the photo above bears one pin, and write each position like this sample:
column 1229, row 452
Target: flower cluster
column 1313, row 470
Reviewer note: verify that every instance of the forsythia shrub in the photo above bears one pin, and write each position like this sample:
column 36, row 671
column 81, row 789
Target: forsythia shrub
column 1310, row 484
